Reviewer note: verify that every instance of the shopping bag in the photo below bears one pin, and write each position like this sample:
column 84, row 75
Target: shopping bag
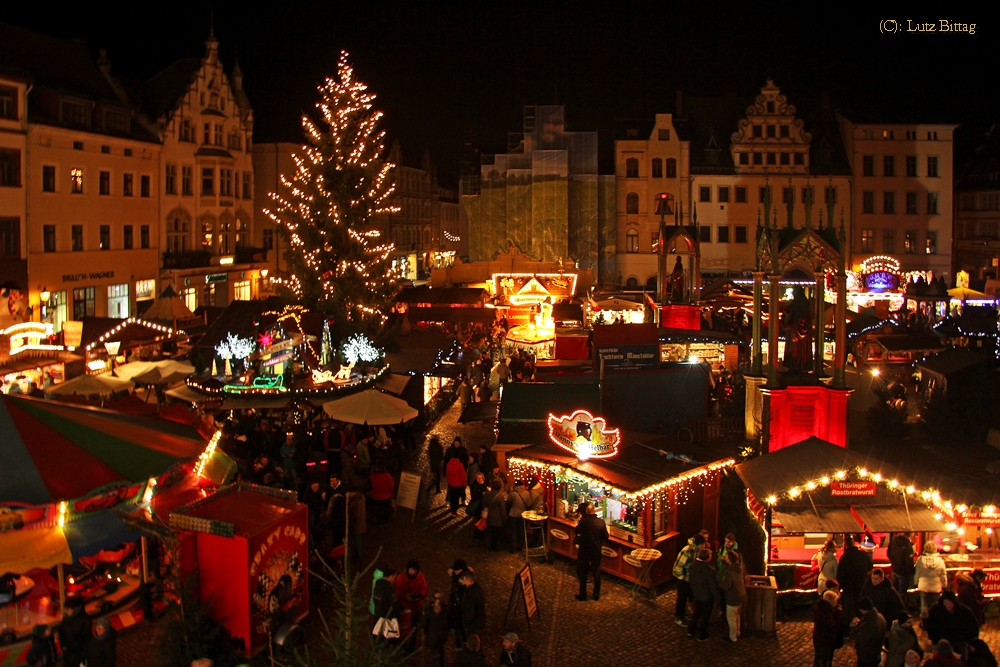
column 387, row 628
column 481, row 524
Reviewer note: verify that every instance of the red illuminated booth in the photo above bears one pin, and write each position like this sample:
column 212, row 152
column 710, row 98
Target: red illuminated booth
column 649, row 497
column 250, row 545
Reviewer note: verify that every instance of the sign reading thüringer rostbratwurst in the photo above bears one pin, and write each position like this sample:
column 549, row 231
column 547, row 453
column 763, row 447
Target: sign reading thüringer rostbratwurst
column 630, row 356
column 852, row 488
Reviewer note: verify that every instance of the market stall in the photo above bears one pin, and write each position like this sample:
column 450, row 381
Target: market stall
column 649, row 497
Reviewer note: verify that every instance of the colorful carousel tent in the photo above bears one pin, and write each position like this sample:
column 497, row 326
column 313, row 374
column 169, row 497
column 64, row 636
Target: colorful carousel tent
column 51, row 451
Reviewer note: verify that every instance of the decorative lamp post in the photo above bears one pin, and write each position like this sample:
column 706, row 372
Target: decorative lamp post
column 113, row 346
column 45, row 296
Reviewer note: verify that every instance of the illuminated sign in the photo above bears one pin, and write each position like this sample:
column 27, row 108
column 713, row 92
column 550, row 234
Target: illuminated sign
column 881, row 281
column 588, row 437
column 144, row 288
column 853, row 488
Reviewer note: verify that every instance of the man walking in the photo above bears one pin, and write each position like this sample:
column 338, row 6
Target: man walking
column 868, row 632
column 473, row 605
column 903, row 566
column 591, row 535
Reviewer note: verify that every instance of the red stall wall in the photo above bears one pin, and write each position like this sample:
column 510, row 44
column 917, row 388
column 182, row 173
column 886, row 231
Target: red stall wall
column 222, row 564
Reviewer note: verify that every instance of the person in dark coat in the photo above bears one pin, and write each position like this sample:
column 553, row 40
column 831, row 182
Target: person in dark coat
column 951, row 620
column 43, row 647
column 902, row 639
column 885, row 598
column 945, row 656
column 473, row 606
column 591, row 534
column 435, row 625
column 704, row 588
column 470, row 654
column 458, row 568
column 969, row 591
column 74, row 632
column 496, row 517
column 435, row 458
column 868, row 632
column 901, row 559
column 827, row 632
column 102, row 649
column 514, row 653
column 384, row 596
column 852, row 571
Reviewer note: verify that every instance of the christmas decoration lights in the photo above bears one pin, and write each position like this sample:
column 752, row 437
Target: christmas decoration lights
column 359, row 348
column 584, row 435
column 199, row 467
column 326, row 208
column 132, row 320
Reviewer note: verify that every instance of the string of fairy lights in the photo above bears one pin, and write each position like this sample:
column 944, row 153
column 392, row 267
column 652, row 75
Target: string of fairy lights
column 340, row 181
column 680, row 486
column 132, row 320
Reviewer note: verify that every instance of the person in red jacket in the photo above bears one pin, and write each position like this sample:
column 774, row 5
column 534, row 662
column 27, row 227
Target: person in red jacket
column 455, row 474
column 383, row 489
column 411, row 589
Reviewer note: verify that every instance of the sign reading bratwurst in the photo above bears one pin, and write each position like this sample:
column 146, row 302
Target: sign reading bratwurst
column 853, row 489
column 587, row 436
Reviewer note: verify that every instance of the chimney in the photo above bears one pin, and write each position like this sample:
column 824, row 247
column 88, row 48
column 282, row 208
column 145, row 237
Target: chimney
column 679, row 107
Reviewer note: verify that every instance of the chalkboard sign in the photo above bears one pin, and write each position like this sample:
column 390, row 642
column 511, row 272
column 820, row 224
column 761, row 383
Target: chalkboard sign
column 522, row 592
column 409, row 491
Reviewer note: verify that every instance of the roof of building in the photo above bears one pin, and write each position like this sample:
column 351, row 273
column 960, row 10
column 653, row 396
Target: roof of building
column 953, row 360
column 162, row 92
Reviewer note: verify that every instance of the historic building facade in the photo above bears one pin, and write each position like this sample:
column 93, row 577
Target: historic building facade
column 977, row 211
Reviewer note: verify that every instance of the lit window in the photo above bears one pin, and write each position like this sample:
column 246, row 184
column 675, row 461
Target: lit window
column 76, row 180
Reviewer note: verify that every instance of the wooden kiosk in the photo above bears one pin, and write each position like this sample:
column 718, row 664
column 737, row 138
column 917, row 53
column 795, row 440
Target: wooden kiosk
column 650, row 498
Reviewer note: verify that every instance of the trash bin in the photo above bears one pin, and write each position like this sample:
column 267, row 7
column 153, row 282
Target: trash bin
column 762, row 602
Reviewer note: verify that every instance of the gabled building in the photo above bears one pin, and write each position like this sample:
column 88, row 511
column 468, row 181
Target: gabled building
column 977, row 211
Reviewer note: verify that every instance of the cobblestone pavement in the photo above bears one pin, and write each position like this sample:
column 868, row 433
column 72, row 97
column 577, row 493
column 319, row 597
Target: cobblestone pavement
column 565, row 632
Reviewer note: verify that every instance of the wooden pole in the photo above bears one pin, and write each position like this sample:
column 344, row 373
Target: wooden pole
column 145, row 561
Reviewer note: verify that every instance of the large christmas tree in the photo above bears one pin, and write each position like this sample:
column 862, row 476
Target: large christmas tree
column 337, row 261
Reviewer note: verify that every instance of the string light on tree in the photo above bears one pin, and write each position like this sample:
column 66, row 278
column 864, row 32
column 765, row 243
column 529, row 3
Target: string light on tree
column 359, row 348
column 325, row 209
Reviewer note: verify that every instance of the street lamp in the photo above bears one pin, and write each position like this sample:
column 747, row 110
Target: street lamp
column 113, row 346
column 44, row 297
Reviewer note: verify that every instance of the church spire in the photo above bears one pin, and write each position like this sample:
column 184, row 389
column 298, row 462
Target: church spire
column 211, row 44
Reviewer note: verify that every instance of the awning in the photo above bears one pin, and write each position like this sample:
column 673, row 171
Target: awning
column 28, row 548
column 394, row 383
column 804, row 519
column 898, row 519
column 98, row 531
column 28, row 363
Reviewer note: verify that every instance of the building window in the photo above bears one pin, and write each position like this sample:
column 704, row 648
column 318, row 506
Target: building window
column 10, row 168
column 187, row 176
column 74, row 113
column 246, row 185
column 268, row 239
column 807, row 194
column 867, row 165
column 10, row 238
column 784, row 131
column 127, row 184
column 77, row 231
column 118, row 301
column 225, row 233
column 723, row 234
column 654, row 242
column 632, row 241
column 785, row 159
column 932, row 166
column 127, row 237
column 889, row 241
column 741, row 194
column 105, row 237
column 758, row 158
column 772, row 158
column 243, row 231
column 911, row 165
column 78, row 145
column 632, row 168
column 889, row 202
column 723, row 194
column 128, row 152
column 241, row 290
column 705, row 234
column 84, row 302
column 657, row 168
column 8, row 103
column 144, row 237
column 218, row 134
column 931, row 136
column 772, row 132
column 207, row 181
column 910, row 242
column 170, row 179
column 144, row 186
column 187, row 131
column 932, row 203
column 48, row 178
column 888, row 165
column 48, row 238
column 800, row 159
column 631, row 203
column 744, row 158
column 741, row 233
column 931, row 247
column 911, row 203
column 76, row 181
column 867, row 240
column 189, row 296
column 830, row 196
column 764, row 195
column 671, row 168
column 206, row 133
column 225, row 182
column 705, row 193
column 663, row 134
column 868, row 201
column 104, row 182
column 787, row 195
column 234, row 141
column 888, row 134
column 758, row 131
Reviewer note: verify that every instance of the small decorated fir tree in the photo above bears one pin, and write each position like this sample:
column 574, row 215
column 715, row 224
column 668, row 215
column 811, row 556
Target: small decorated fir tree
column 337, row 259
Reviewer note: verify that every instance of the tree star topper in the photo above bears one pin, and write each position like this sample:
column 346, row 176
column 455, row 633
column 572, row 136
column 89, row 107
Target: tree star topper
column 587, row 436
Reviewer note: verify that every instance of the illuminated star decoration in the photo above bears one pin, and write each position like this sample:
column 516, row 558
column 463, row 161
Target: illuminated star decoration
column 264, row 340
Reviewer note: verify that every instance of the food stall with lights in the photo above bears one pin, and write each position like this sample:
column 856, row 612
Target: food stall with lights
column 650, row 498
column 30, row 353
column 809, row 492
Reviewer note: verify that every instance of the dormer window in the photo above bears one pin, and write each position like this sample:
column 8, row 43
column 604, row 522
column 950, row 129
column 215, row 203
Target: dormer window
column 213, row 100
column 116, row 121
column 75, row 113
column 770, row 107
column 758, row 131
column 8, row 103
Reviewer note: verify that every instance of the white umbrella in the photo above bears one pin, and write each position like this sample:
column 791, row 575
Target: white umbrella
column 90, row 385
column 370, row 407
column 133, row 368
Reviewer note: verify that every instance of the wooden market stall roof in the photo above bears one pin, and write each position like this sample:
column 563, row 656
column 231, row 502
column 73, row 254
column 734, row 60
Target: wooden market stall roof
column 533, row 401
column 775, row 473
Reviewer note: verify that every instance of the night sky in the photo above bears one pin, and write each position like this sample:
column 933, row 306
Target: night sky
column 440, row 71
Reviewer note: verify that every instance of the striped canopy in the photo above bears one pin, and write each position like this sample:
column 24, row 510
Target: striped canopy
column 51, row 451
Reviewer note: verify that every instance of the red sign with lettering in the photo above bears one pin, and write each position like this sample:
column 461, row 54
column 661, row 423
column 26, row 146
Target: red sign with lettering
column 979, row 519
column 853, row 488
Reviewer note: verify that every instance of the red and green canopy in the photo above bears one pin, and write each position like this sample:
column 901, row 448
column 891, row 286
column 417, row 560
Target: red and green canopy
column 52, row 451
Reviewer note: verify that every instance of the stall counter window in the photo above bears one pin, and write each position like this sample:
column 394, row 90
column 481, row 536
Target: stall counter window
column 625, row 519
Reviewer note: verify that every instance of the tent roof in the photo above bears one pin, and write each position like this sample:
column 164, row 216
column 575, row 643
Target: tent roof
column 27, row 549
column 775, row 473
column 55, row 451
